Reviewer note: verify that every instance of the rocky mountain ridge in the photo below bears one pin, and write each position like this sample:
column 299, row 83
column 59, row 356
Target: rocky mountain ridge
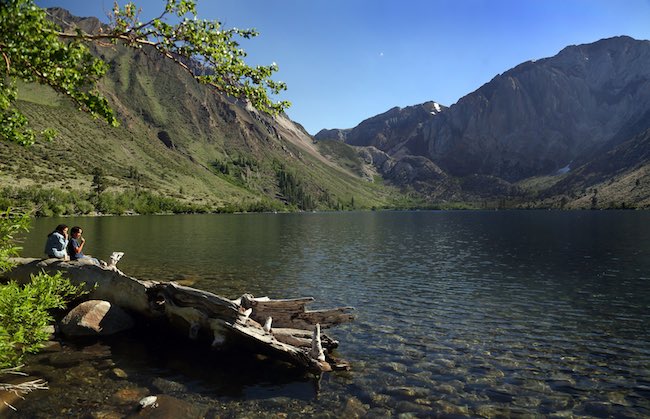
column 545, row 120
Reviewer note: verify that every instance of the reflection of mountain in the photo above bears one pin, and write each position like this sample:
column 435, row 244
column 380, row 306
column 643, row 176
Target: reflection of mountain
column 577, row 120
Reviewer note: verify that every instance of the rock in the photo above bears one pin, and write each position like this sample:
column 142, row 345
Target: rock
column 95, row 318
column 391, row 128
column 69, row 359
column 410, row 409
column 331, row 135
column 129, row 395
column 168, row 407
column 411, row 392
column 354, row 408
column 51, row 346
column 446, row 408
column 168, row 386
column 149, row 402
column 598, row 409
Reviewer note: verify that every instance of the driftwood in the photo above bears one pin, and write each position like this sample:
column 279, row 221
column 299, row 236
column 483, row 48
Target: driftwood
column 283, row 329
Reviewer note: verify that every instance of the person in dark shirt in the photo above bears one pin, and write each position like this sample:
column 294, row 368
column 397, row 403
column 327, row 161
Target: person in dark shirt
column 76, row 245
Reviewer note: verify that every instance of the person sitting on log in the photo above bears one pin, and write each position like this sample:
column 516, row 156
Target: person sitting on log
column 57, row 242
column 76, row 244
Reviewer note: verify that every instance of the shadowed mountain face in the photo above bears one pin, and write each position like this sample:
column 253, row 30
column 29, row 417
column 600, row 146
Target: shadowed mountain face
column 541, row 118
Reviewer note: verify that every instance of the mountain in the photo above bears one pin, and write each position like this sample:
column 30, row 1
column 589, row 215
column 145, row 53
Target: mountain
column 569, row 131
column 177, row 139
column 383, row 138
column 387, row 131
column 530, row 133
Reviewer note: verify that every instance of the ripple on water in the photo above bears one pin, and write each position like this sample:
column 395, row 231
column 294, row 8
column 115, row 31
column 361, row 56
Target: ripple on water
column 473, row 314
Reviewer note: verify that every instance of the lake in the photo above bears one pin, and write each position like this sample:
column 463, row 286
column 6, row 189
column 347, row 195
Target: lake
column 459, row 313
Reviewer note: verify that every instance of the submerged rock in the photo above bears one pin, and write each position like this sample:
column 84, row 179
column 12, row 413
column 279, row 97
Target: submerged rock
column 129, row 395
column 149, row 402
column 354, row 408
column 164, row 406
column 120, row 373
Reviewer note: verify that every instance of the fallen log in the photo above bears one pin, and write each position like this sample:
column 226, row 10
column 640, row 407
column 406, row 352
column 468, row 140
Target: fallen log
column 283, row 329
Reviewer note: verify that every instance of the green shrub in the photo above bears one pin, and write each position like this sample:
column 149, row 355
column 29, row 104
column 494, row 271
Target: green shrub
column 51, row 202
column 25, row 311
column 10, row 224
column 84, row 207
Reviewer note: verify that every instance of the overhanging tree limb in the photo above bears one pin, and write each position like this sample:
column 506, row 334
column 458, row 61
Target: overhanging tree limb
column 36, row 50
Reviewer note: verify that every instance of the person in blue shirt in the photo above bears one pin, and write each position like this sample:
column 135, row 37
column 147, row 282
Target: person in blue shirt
column 57, row 242
column 76, row 245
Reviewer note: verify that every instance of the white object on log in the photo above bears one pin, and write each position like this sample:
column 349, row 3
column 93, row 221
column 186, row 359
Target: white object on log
column 245, row 315
column 267, row 325
column 115, row 257
column 316, row 345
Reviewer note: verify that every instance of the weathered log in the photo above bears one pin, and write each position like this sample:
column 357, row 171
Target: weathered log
column 292, row 313
column 290, row 332
column 111, row 284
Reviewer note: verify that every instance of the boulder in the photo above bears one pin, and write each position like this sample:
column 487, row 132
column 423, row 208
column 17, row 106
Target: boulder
column 95, row 318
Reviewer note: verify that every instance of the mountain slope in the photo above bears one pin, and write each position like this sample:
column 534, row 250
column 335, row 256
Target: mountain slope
column 180, row 139
column 616, row 178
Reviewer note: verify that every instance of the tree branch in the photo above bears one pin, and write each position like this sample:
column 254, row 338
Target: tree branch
column 26, row 387
column 7, row 62
column 125, row 37
column 144, row 25
column 21, row 388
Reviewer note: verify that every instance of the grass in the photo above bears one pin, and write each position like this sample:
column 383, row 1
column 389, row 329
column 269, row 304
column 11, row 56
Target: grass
column 345, row 155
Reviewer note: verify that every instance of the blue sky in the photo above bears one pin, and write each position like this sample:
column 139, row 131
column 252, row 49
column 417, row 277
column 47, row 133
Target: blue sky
column 347, row 60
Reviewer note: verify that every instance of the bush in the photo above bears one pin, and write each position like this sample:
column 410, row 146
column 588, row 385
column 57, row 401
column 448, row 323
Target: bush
column 84, row 207
column 10, row 224
column 25, row 312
